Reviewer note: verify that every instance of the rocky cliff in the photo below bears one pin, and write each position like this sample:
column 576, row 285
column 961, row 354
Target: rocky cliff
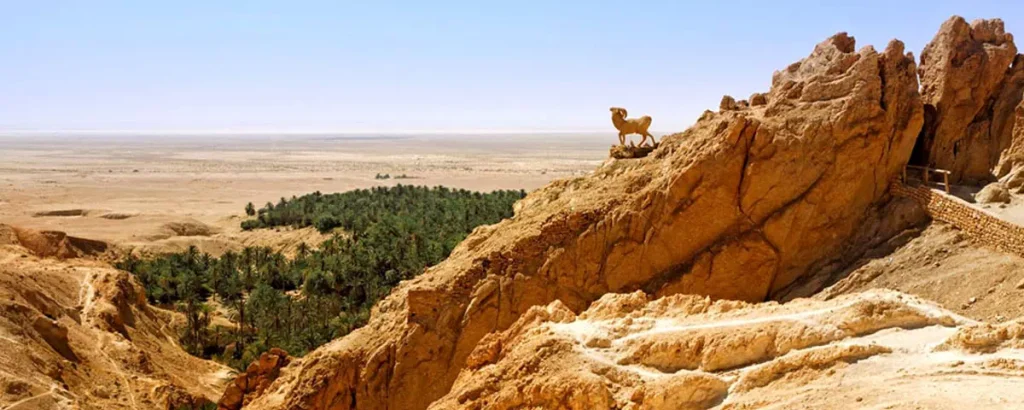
column 971, row 80
column 742, row 204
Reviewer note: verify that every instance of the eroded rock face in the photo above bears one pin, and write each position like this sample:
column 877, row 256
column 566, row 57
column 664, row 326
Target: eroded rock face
column 79, row 334
column 968, row 82
column 1010, row 170
column 738, row 206
column 628, row 352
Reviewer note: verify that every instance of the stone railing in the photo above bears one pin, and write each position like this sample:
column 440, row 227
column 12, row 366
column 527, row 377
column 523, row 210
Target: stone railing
column 980, row 225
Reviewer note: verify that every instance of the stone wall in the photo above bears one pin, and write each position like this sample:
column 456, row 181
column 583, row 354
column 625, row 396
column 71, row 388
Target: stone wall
column 980, row 225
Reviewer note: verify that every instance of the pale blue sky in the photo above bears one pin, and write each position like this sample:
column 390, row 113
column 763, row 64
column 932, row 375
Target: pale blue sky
column 417, row 65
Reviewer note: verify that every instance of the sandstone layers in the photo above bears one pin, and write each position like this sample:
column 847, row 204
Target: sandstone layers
column 742, row 204
column 687, row 352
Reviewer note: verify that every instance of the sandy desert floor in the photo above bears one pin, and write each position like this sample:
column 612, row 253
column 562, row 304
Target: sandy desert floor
column 128, row 189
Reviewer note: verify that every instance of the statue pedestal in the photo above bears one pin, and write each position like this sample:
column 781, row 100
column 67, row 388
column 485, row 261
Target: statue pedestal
column 630, row 151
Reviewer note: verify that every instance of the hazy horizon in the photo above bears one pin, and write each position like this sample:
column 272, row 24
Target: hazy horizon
column 396, row 140
column 455, row 132
column 406, row 67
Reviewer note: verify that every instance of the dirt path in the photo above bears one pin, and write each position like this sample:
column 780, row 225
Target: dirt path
column 87, row 299
column 120, row 374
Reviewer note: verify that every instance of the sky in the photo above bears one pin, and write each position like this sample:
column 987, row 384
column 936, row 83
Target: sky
column 440, row 66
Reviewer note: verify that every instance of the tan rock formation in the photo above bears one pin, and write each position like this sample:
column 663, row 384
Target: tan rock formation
column 728, row 104
column 987, row 338
column 631, row 151
column 738, row 206
column 687, row 352
column 1010, row 170
column 257, row 377
column 971, row 91
column 51, row 243
column 993, row 193
column 758, row 99
column 79, row 334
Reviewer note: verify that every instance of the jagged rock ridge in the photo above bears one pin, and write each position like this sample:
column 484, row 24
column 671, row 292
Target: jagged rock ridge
column 738, row 206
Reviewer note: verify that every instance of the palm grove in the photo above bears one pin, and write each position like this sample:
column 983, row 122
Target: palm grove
column 387, row 234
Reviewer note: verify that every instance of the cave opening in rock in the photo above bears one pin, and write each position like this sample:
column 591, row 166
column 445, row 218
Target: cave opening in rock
column 923, row 146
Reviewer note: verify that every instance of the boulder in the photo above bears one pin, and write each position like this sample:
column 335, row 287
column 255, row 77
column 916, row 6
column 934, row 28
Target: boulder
column 758, row 99
column 176, row 398
column 738, row 206
column 728, row 104
column 631, row 151
column 993, row 193
column 971, row 91
column 256, row 378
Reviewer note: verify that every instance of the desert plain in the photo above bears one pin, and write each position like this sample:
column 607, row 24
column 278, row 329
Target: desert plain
column 164, row 192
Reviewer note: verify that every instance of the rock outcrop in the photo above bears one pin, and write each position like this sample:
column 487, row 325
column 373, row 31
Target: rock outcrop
column 993, row 193
column 970, row 91
column 629, row 352
column 51, row 243
column 987, row 338
column 255, row 380
column 631, row 151
column 79, row 334
column 1010, row 170
column 738, row 206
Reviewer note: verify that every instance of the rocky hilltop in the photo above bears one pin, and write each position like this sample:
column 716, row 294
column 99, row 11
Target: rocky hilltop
column 787, row 185
column 76, row 333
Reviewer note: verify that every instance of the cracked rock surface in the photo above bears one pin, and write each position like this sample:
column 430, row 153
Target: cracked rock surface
column 885, row 349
